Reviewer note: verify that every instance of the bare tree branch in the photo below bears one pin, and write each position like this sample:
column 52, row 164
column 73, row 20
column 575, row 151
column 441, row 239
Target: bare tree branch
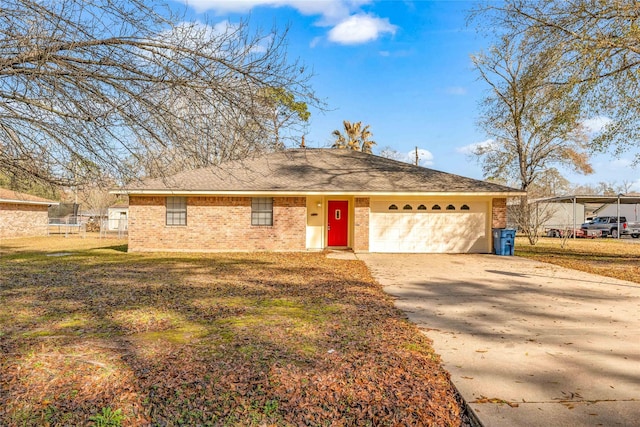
column 532, row 125
column 129, row 87
column 599, row 42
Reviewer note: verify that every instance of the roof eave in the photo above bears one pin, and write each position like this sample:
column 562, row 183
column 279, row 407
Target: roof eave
column 317, row 193
column 27, row 202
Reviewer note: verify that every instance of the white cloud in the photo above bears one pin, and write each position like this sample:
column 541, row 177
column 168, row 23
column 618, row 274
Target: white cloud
column 596, row 124
column 395, row 53
column 360, row 28
column 221, row 6
column 425, row 157
column 456, row 90
column 472, row 148
column 197, row 31
column 192, row 35
column 332, row 11
column 315, row 42
column 349, row 24
column 617, row 164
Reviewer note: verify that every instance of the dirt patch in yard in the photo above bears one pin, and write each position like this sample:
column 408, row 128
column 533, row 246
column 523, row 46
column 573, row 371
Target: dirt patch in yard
column 228, row 339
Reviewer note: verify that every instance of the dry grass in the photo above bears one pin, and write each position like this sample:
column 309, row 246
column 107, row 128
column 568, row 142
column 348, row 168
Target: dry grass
column 59, row 243
column 227, row 339
column 608, row 257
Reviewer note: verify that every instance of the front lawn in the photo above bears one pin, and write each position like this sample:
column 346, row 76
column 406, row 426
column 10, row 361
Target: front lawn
column 89, row 333
column 605, row 256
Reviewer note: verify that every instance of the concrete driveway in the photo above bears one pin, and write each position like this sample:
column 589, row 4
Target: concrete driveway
column 526, row 343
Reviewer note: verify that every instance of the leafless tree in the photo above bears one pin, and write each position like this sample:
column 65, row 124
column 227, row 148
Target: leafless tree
column 88, row 86
column 96, row 197
column 529, row 217
column 532, row 125
column 391, row 153
column 550, row 183
column 625, row 186
column 599, row 44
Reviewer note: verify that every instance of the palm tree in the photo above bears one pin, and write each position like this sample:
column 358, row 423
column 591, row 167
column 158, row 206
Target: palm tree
column 340, row 141
column 366, row 144
column 355, row 137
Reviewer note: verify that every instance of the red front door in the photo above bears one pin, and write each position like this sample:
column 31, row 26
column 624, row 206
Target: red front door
column 338, row 223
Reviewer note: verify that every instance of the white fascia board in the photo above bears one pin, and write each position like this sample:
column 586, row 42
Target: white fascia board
column 27, row 202
column 316, row 193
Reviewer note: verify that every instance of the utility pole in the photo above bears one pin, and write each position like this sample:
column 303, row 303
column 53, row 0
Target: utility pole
column 417, row 159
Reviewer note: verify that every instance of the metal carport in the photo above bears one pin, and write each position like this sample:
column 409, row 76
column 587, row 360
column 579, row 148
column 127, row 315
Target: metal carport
column 619, row 199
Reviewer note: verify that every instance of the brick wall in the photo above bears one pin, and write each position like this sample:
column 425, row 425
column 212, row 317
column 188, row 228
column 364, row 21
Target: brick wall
column 23, row 220
column 499, row 213
column 216, row 224
column 361, row 224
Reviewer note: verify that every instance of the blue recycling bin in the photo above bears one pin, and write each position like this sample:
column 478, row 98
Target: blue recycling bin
column 504, row 241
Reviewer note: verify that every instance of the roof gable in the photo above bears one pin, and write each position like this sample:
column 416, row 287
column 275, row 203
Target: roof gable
column 318, row 170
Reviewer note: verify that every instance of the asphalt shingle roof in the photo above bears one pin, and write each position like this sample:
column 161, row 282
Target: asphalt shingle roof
column 319, row 170
column 10, row 196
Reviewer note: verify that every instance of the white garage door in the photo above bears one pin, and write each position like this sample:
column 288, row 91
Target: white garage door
column 422, row 228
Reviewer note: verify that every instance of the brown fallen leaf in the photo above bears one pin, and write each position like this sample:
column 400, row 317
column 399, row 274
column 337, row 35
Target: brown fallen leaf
column 211, row 339
column 484, row 399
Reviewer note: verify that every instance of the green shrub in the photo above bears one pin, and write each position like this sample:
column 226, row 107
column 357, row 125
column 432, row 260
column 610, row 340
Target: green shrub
column 108, row 418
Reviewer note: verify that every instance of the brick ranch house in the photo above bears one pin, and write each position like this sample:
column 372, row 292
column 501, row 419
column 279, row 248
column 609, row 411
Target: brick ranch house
column 23, row 215
column 313, row 199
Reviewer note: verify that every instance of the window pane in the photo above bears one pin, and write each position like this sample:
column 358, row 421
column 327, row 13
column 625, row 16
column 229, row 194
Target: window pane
column 262, row 211
column 176, row 211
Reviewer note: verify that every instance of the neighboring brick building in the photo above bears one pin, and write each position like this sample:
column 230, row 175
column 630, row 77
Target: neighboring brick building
column 23, row 215
column 313, row 199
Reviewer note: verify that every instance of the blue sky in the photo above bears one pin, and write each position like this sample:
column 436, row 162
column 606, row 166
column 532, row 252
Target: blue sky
column 403, row 67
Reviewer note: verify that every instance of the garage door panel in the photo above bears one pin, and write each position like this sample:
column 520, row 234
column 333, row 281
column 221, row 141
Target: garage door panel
column 432, row 232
